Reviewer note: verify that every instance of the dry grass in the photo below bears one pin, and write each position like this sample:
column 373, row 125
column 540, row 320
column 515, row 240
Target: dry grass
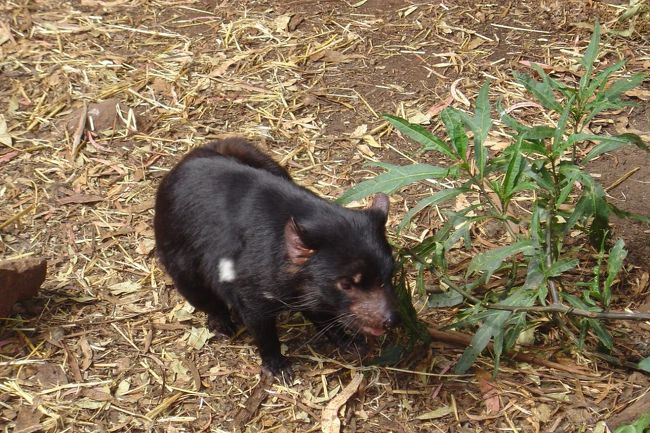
column 109, row 346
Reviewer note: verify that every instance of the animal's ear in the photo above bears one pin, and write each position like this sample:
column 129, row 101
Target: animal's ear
column 297, row 251
column 381, row 204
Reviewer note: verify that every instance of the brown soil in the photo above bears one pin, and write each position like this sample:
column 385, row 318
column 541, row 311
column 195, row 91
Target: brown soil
column 106, row 346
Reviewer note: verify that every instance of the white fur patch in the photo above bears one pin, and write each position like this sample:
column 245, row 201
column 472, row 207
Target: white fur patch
column 226, row 270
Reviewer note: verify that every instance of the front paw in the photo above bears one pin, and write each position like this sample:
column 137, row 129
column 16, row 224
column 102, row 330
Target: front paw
column 278, row 366
column 221, row 325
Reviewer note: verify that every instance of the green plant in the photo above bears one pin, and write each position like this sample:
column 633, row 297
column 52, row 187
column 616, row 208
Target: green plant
column 642, row 425
column 562, row 198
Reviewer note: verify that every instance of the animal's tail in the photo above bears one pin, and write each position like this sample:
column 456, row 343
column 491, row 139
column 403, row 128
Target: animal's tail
column 244, row 152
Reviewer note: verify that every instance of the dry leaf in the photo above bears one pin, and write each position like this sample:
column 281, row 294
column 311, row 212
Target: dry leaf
column 79, row 198
column 420, row 118
column 333, row 56
column 474, row 43
column 183, row 312
column 437, row 108
column 295, row 21
column 371, row 141
column 436, row 413
column 282, row 23
column 5, row 138
column 49, row 375
column 489, row 392
column 9, row 156
column 125, row 287
column 642, row 94
column 28, row 420
column 145, row 246
column 359, row 131
column 497, row 144
column 330, row 423
column 5, row 33
column 198, row 337
column 122, row 388
column 461, row 202
column 366, row 150
column 543, row 412
column 87, row 353
column 457, row 94
column 409, row 11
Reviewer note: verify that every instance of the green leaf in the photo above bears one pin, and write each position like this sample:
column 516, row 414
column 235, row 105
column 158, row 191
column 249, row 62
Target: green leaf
column 514, row 170
column 542, row 92
column 609, row 143
column 625, row 214
column 420, row 135
column 523, row 186
column 627, row 429
column 561, row 127
column 589, row 57
column 497, row 348
column 614, row 264
column 508, row 120
column 432, row 200
column 644, row 365
column 602, row 333
column 490, row 261
column 548, row 81
column 570, row 174
column 582, row 210
column 480, row 124
column 561, row 266
column 622, row 85
column 492, row 324
column 394, row 179
column 539, row 132
column 601, row 79
column 482, row 113
column 389, row 356
column 576, row 302
column 453, row 124
column 447, row 299
column 419, row 280
column 598, row 230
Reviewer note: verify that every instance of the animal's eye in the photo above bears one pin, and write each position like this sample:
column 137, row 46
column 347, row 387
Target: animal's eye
column 344, row 284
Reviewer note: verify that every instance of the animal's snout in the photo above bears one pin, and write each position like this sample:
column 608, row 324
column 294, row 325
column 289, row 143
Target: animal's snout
column 392, row 320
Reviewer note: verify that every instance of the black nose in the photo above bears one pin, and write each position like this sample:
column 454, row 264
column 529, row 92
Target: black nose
column 392, row 320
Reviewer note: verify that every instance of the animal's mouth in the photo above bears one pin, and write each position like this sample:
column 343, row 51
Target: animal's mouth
column 372, row 330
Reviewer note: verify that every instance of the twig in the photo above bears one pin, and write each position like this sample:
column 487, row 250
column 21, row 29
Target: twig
column 622, row 179
column 556, row 307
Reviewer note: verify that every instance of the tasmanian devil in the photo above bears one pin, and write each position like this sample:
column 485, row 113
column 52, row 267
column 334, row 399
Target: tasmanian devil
column 235, row 232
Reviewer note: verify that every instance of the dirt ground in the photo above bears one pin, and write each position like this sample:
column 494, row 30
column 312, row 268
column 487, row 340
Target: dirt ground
column 108, row 346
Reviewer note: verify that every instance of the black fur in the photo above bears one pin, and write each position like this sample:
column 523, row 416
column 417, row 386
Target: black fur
column 290, row 248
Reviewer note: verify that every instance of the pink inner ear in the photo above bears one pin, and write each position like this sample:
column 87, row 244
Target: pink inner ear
column 296, row 249
column 380, row 202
